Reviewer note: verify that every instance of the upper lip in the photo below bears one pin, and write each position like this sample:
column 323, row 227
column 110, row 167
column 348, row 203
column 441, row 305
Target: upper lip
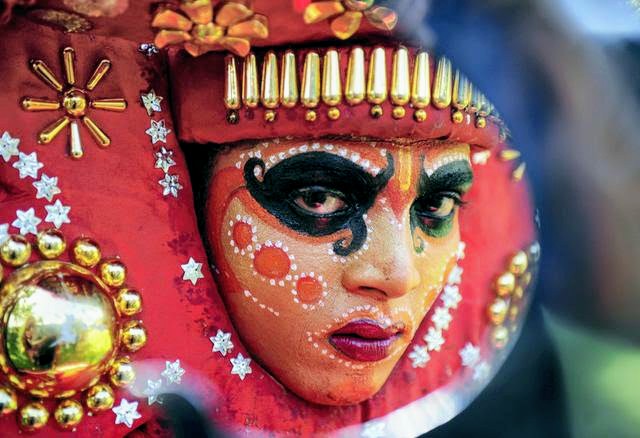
column 370, row 329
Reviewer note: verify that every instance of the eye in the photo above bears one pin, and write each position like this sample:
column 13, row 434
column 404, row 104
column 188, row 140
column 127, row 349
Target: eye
column 437, row 207
column 319, row 201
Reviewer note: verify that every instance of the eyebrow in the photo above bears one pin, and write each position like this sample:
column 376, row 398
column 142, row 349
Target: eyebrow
column 453, row 175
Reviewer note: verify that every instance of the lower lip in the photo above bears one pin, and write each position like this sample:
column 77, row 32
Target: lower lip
column 361, row 349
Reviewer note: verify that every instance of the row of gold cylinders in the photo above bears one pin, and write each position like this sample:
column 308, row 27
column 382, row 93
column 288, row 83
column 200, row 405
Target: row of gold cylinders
column 323, row 83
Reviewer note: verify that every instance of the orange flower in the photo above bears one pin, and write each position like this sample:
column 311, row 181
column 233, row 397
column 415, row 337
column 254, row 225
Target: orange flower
column 201, row 27
column 347, row 14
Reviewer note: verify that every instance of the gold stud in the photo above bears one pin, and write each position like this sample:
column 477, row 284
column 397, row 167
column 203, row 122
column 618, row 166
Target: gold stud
column 497, row 311
column 310, row 116
column 289, row 80
column 505, row 284
column 457, row 117
column 8, row 400
column 33, row 416
column 129, row 302
column 86, row 252
column 333, row 113
column 518, row 174
column 233, row 117
column 68, row 414
column 46, row 75
column 250, row 91
column 35, row 104
column 100, row 397
column 420, row 115
column 122, row 372
column 231, row 87
column 443, row 84
column 331, row 81
column 481, row 122
column 499, row 336
column 519, row 263
column 398, row 112
column 310, row 95
column 98, row 134
column 376, row 111
column 134, row 336
column 116, row 104
column 509, row 154
column 51, row 243
column 356, row 84
column 113, row 272
column 15, row 251
column 269, row 116
column 52, row 130
column 377, row 80
column 400, row 81
column 421, row 83
column 270, row 90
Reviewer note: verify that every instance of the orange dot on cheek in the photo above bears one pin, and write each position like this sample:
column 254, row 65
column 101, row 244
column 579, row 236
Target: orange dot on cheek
column 309, row 289
column 272, row 263
column 242, row 234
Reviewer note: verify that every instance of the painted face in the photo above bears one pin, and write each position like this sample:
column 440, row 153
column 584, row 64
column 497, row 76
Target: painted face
column 329, row 254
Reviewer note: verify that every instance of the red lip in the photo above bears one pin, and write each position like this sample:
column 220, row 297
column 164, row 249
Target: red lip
column 366, row 340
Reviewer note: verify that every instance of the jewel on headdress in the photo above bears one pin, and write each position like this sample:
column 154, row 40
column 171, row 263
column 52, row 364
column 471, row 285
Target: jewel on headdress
column 200, row 27
column 74, row 100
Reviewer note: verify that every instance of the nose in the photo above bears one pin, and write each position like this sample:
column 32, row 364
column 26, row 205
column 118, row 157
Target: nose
column 386, row 270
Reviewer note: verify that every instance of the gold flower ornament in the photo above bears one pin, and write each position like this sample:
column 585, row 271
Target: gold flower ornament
column 201, row 27
column 346, row 15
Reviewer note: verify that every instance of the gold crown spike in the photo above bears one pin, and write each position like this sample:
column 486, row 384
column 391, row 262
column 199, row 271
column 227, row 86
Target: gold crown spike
column 289, row 81
column 421, row 84
column 355, row 87
column 269, row 91
column 443, row 84
column 310, row 95
column 250, row 93
column 400, row 80
column 331, row 81
column 44, row 72
column 461, row 96
column 68, row 56
column 231, row 88
column 377, row 81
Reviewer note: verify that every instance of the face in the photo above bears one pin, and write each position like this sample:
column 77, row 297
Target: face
column 329, row 254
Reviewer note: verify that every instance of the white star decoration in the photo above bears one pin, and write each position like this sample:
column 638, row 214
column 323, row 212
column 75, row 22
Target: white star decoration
column 461, row 247
column 192, row 271
column 419, row 356
column 469, row 354
column 28, row 165
column 221, row 342
column 173, row 372
column 170, row 184
column 241, row 366
column 158, row 132
column 434, row 339
column 164, row 159
column 47, row 187
column 57, row 214
column 126, row 413
column 441, row 318
column 451, row 296
column 481, row 157
column 27, row 222
column 455, row 276
column 481, row 372
column 8, row 146
column 151, row 102
column 4, row 233
column 153, row 391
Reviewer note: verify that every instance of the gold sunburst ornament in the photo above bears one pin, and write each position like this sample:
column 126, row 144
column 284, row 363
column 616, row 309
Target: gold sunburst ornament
column 74, row 101
column 346, row 15
column 200, row 27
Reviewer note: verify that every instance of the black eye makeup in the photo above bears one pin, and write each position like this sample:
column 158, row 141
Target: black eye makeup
column 439, row 197
column 318, row 194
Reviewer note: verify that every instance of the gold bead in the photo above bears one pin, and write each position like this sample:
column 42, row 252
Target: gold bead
column 457, row 117
column 8, row 400
column 68, row 414
column 15, row 251
column 497, row 311
column 134, row 336
column 398, row 112
column 420, row 115
column 86, row 252
column 100, row 397
column 333, row 113
column 33, row 416
column 499, row 336
column 51, row 243
column 518, row 292
column 129, row 302
column 481, row 122
column 113, row 272
column 505, row 284
column 514, row 311
column 519, row 263
column 376, row 111
column 269, row 116
column 233, row 117
column 122, row 372
column 310, row 116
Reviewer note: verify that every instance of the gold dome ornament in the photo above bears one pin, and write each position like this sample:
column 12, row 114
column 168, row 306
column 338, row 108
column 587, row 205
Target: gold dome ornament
column 200, row 27
column 74, row 101
column 64, row 326
column 346, row 15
